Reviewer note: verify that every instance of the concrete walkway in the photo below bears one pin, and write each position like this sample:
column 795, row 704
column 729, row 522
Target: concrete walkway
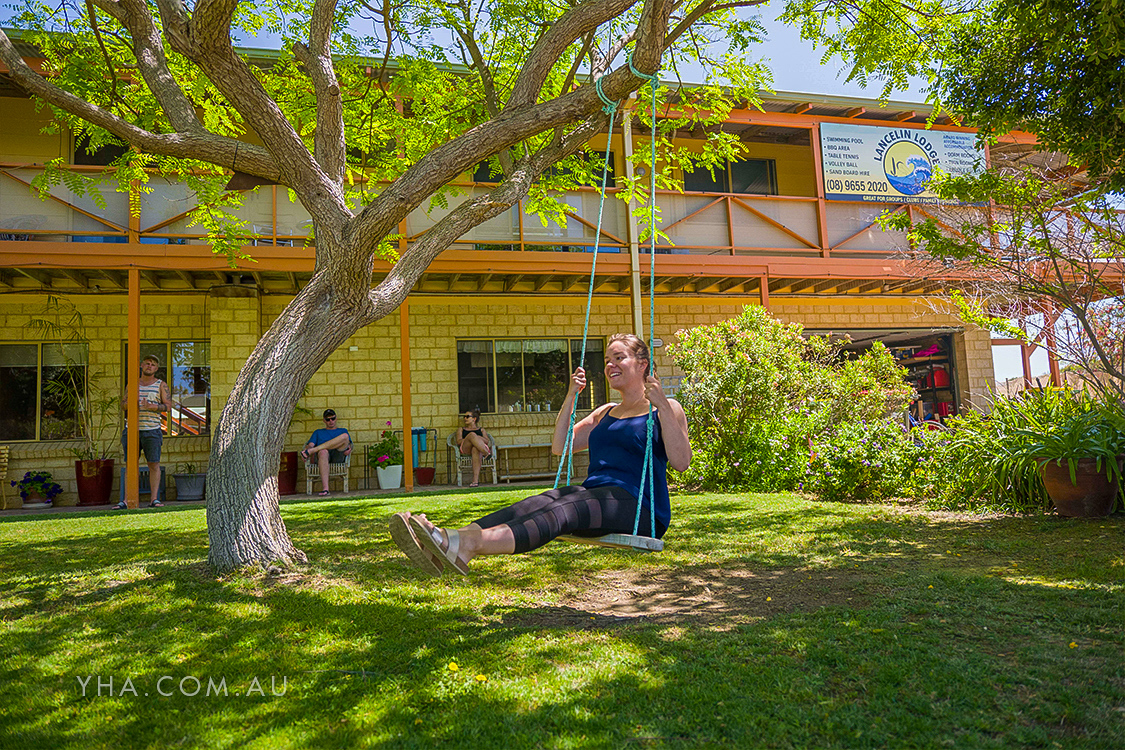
column 299, row 497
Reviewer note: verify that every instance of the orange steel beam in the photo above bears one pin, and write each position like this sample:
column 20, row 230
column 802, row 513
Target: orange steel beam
column 106, row 256
column 407, row 421
column 809, row 122
column 71, row 206
column 696, row 212
column 821, row 203
column 131, row 473
column 865, row 227
column 591, row 225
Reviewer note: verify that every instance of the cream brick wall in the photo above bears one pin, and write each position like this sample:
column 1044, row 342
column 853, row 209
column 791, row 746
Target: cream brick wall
column 973, row 348
column 106, row 320
column 364, row 385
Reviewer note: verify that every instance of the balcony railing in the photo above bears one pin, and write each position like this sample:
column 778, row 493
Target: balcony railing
column 695, row 223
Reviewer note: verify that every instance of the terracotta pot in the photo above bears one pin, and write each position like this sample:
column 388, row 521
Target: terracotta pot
column 95, row 479
column 1091, row 495
column 287, row 474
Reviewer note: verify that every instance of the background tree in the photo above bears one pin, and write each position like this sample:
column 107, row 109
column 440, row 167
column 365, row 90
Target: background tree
column 1055, row 68
column 1036, row 253
column 365, row 127
column 1044, row 247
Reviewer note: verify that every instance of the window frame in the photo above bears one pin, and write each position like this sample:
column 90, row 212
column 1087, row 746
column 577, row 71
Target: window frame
column 39, row 345
column 572, row 356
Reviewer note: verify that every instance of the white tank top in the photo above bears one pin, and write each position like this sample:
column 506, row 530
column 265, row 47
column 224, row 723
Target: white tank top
column 150, row 420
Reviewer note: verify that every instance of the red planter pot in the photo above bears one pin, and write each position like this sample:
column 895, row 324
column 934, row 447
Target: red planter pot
column 424, row 475
column 95, row 479
column 1090, row 496
column 287, row 474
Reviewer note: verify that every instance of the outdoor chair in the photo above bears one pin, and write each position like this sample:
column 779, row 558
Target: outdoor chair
column 464, row 463
column 312, row 471
column 5, row 489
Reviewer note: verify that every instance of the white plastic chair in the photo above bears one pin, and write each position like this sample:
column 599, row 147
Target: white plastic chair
column 312, row 471
column 465, row 463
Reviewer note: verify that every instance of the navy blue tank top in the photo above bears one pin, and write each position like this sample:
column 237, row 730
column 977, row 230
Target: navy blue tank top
column 617, row 456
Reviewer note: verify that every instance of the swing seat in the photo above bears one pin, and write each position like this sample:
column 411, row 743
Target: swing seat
column 618, row 541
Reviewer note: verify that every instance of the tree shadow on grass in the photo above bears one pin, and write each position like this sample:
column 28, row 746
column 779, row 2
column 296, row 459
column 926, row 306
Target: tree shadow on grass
column 678, row 653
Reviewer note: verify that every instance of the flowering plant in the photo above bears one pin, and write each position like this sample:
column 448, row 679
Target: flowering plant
column 38, row 481
column 386, row 452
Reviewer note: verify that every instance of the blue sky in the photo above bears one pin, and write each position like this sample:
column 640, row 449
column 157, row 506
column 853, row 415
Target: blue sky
column 796, row 65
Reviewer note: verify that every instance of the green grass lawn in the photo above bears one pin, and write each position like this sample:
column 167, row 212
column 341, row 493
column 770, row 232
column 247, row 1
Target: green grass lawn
column 769, row 621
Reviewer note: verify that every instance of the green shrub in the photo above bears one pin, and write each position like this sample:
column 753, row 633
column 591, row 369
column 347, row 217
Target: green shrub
column 862, row 461
column 990, row 461
column 756, row 392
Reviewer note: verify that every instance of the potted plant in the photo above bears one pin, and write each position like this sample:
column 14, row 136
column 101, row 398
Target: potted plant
column 1077, row 445
column 78, row 389
column 386, row 458
column 37, row 488
column 190, row 481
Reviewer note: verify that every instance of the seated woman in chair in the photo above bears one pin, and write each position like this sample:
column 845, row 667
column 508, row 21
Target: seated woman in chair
column 605, row 503
column 472, row 441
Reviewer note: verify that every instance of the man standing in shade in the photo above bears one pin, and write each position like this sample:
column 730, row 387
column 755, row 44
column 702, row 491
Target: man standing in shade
column 154, row 397
column 329, row 444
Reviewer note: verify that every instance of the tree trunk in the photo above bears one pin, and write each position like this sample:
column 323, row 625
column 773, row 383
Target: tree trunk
column 243, row 518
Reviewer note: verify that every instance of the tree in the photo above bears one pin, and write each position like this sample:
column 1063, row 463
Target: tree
column 395, row 111
column 1055, row 68
column 1041, row 245
column 1034, row 252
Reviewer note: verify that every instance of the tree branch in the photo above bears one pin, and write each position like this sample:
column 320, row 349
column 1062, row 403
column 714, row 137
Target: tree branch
column 491, row 100
column 329, row 147
column 148, row 49
column 213, row 52
column 200, row 145
column 513, row 125
column 580, row 20
column 701, row 10
column 393, row 289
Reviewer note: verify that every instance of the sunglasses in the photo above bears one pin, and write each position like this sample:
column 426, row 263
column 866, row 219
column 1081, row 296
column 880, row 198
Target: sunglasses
column 330, row 419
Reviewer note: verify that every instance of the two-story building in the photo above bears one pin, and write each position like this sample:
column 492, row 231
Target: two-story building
column 495, row 322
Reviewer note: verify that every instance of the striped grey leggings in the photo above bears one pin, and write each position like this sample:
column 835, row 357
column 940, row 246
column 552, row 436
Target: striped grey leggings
column 575, row 510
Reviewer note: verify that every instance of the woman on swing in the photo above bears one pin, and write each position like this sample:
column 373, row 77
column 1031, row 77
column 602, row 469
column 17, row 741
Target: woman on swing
column 605, row 503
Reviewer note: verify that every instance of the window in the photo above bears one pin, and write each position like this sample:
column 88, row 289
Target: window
column 508, row 375
column 101, row 156
column 28, row 408
column 189, row 383
column 746, row 176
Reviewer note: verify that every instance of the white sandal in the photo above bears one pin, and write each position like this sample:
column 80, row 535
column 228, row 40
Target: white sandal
column 432, row 540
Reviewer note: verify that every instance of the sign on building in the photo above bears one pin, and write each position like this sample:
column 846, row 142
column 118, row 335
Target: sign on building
column 891, row 165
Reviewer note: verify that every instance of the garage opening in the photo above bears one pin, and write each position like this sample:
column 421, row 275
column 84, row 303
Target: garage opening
column 928, row 356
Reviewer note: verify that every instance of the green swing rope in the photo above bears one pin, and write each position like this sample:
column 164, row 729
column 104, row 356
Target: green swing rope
column 647, row 471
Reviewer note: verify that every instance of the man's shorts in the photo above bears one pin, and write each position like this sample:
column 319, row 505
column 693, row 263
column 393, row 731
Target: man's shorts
column 335, row 456
column 151, row 440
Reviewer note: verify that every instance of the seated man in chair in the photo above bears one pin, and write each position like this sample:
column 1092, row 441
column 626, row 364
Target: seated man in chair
column 329, row 444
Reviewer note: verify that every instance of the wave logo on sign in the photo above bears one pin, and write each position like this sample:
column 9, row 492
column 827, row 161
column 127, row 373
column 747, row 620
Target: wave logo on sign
column 908, row 160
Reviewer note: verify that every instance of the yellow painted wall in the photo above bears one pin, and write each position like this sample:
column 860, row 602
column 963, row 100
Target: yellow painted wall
column 23, row 141
column 794, row 164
